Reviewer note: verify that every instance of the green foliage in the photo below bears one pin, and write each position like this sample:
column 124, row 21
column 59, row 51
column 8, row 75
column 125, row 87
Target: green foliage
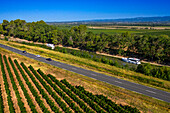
column 159, row 72
column 101, row 100
column 29, row 100
column 154, row 48
column 8, row 92
column 1, row 102
column 41, row 90
column 57, row 99
column 33, row 91
column 61, row 93
column 20, row 103
column 6, row 38
column 81, row 95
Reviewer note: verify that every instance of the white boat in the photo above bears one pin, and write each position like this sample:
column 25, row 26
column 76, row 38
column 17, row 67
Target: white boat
column 132, row 60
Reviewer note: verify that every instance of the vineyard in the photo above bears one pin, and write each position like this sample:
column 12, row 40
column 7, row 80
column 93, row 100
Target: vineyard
column 24, row 89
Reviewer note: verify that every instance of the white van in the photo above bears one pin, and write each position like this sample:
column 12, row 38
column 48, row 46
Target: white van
column 132, row 60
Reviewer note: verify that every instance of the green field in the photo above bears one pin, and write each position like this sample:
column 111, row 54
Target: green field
column 132, row 31
column 119, row 31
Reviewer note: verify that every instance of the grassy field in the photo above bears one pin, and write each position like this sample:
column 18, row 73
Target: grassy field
column 92, row 65
column 132, row 31
column 119, row 95
column 122, row 30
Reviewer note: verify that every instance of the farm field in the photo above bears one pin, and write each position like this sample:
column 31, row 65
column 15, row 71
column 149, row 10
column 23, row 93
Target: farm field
column 132, row 31
column 118, row 95
column 23, row 85
column 108, row 30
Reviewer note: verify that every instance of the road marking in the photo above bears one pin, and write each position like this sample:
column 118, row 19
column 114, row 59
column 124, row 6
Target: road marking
column 150, row 87
column 137, row 92
column 58, row 64
column 157, row 98
column 74, row 68
column 149, row 91
column 93, row 74
column 118, row 82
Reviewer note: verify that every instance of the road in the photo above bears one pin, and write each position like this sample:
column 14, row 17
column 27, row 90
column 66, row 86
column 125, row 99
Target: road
column 138, row 88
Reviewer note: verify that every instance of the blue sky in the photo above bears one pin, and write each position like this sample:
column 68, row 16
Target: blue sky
column 71, row 10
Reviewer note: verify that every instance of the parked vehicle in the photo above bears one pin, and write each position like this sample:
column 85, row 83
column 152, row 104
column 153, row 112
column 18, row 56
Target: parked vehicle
column 49, row 59
column 51, row 45
column 37, row 55
column 24, row 51
column 132, row 60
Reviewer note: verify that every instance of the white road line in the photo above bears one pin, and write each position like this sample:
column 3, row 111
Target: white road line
column 93, row 74
column 158, row 98
column 58, row 64
column 118, row 82
column 74, row 68
column 137, row 92
column 150, row 88
column 149, row 91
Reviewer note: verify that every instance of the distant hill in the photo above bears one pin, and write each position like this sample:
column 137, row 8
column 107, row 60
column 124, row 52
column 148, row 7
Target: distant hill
column 138, row 19
column 164, row 19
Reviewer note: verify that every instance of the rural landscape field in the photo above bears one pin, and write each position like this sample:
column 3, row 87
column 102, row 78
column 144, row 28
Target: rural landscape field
column 85, row 57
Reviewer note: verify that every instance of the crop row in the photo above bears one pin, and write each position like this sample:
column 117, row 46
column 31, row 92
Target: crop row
column 52, row 93
column 111, row 103
column 67, row 91
column 81, row 95
column 106, row 104
column 27, row 96
column 1, row 102
column 33, row 91
column 102, row 103
column 64, row 96
column 102, row 99
column 20, row 103
column 8, row 92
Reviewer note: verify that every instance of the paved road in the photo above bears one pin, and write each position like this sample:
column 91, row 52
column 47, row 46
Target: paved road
column 152, row 92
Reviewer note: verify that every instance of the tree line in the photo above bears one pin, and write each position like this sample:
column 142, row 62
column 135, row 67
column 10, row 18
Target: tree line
column 155, row 48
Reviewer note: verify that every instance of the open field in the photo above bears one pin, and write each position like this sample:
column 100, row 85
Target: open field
column 129, row 27
column 119, row 95
column 139, row 30
column 132, row 31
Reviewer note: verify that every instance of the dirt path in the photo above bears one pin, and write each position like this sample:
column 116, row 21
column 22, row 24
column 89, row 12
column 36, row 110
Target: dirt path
column 23, row 99
column 29, row 92
column 44, row 100
column 13, row 96
column 4, row 95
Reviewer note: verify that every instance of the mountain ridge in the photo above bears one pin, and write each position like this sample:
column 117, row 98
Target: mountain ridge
column 126, row 20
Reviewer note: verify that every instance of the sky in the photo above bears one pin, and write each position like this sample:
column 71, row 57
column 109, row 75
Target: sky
column 74, row 10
